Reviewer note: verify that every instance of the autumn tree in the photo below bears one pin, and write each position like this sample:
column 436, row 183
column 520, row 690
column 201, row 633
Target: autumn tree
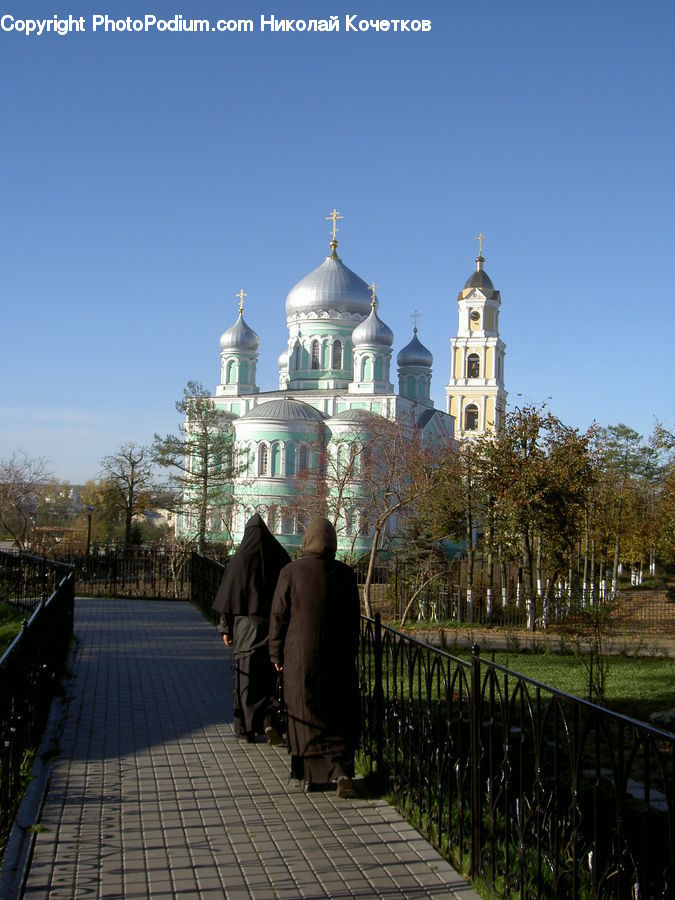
column 21, row 478
column 201, row 463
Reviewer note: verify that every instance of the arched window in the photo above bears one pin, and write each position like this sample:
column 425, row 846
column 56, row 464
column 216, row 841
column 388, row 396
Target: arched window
column 231, row 376
column 272, row 519
column 349, row 522
column 302, row 459
column 337, row 355
column 290, row 460
column 472, row 366
column 315, row 355
column 471, row 417
column 243, row 372
column 276, row 459
column 341, row 459
column 366, row 369
column 263, row 460
column 297, row 350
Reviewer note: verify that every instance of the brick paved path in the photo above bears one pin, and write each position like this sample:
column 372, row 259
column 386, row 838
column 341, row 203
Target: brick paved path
column 151, row 795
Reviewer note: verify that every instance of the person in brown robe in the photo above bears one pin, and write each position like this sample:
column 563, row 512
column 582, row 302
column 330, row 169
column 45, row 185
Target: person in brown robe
column 314, row 638
column 244, row 600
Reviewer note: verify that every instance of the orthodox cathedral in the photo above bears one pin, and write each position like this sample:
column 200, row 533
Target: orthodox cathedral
column 335, row 379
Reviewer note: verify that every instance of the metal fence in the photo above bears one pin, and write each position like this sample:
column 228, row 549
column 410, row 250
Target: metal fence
column 26, row 580
column 29, row 676
column 535, row 792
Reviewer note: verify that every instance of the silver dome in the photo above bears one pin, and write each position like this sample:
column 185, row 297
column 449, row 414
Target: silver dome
column 284, row 410
column 283, row 359
column 415, row 354
column 331, row 286
column 373, row 332
column 239, row 337
column 363, row 416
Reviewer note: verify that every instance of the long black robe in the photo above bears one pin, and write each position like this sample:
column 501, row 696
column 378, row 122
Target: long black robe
column 244, row 600
column 314, row 634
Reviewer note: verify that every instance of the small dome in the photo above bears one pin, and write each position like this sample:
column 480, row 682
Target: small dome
column 373, row 332
column 284, row 410
column 480, row 279
column 355, row 415
column 239, row 337
column 415, row 354
column 331, row 286
column 283, row 359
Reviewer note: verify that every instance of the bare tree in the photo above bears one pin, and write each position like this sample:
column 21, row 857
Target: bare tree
column 21, row 477
column 127, row 475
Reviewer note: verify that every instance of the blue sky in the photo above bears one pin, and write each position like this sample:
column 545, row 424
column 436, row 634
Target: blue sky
column 148, row 177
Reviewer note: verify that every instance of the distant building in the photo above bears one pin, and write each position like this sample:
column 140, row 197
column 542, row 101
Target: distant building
column 335, row 372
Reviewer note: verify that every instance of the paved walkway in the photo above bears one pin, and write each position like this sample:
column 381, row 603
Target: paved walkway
column 151, row 795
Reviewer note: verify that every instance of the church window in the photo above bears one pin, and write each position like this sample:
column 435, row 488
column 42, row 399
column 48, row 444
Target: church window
column 337, row 355
column 472, row 366
column 297, row 350
column 272, row 519
column 471, row 417
column 263, row 460
column 349, row 522
column 302, row 459
column 315, row 355
column 366, row 369
column 243, row 372
column 276, row 459
column 287, row 524
column 231, row 376
column 341, row 459
column 290, row 460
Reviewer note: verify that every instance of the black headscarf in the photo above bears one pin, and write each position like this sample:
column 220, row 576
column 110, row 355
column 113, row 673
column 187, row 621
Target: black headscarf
column 251, row 576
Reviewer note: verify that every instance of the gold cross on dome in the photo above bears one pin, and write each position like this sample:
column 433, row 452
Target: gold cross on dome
column 242, row 293
column 415, row 315
column 480, row 237
column 373, row 287
column 335, row 216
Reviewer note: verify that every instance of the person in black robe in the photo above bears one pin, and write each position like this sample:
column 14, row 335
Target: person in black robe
column 314, row 638
column 244, row 600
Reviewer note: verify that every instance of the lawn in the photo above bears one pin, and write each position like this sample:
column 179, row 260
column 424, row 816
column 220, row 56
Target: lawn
column 636, row 686
column 10, row 625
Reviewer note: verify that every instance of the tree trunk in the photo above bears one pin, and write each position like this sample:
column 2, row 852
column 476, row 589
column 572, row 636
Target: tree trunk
column 528, row 577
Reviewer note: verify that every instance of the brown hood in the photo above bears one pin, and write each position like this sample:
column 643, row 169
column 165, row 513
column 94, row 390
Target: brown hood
column 320, row 538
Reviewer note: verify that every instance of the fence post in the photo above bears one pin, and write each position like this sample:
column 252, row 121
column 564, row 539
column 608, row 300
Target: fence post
column 379, row 698
column 475, row 760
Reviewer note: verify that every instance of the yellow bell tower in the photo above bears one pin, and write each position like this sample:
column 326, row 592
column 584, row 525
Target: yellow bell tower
column 475, row 392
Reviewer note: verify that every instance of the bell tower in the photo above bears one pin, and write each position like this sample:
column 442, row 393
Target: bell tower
column 475, row 393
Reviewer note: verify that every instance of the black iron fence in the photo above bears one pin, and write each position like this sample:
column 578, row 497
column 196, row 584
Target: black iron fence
column 29, row 676
column 26, row 580
column 206, row 575
column 535, row 792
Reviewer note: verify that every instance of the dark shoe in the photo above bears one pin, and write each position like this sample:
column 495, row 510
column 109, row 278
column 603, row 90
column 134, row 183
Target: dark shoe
column 272, row 735
column 250, row 737
column 345, row 787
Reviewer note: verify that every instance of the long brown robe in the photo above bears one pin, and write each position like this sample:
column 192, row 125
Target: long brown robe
column 244, row 600
column 314, row 635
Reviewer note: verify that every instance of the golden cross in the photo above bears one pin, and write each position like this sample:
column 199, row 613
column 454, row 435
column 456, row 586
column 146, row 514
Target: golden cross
column 415, row 315
column 480, row 237
column 373, row 288
column 242, row 293
column 335, row 216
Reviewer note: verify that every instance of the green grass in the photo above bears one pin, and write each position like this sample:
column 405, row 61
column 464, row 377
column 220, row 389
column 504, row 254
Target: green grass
column 636, row 686
column 10, row 625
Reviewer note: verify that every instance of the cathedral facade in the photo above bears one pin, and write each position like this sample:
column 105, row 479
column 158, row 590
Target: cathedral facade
column 335, row 380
